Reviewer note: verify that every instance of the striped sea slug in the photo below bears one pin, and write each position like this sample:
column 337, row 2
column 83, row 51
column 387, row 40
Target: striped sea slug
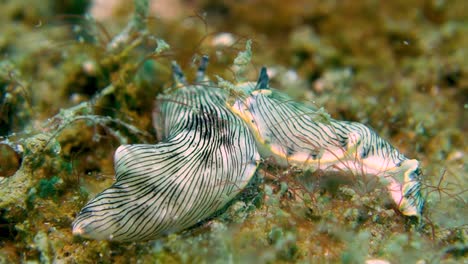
column 302, row 136
column 211, row 147
column 206, row 157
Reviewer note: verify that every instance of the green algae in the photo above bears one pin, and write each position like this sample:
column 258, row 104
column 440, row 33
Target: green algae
column 399, row 67
column 48, row 188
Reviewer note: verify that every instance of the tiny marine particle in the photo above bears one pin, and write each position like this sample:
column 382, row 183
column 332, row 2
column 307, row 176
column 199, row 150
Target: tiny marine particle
column 211, row 147
column 295, row 134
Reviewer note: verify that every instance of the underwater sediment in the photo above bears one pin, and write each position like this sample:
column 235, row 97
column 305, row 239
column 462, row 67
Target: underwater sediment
column 75, row 87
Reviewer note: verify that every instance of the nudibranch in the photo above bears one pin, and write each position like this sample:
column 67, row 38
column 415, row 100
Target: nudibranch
column 211, row 143
column 294, row 134
column 206, row 157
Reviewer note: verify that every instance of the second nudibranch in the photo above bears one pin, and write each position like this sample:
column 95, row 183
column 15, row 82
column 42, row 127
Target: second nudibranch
column 292, row 133
column 206, row 157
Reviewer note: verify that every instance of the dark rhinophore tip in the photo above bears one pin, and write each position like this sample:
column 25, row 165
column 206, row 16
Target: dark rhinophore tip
column 263, row 79
column 202, row 68
column 177, row 74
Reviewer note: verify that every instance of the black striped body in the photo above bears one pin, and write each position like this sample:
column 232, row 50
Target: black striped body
column 291, row 133
column 209, row 152
column 207, row 156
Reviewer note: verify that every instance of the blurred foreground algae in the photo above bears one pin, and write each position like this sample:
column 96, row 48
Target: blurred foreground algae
column 70, row 95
